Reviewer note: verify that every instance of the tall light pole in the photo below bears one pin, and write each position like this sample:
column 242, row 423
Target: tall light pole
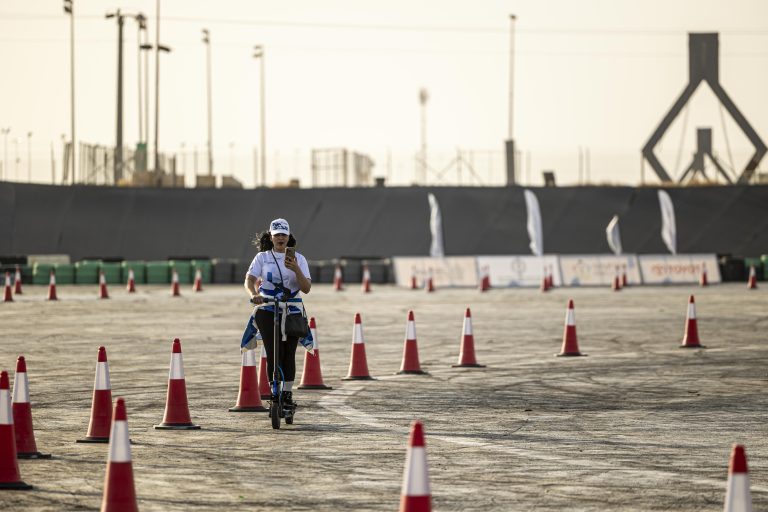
column 423, row 98
column 207, row 41
column 118, row 169
column 509, row 144
column 5, row 132
column 29, row 157
column 141, row 22
column 158, row 49
column 258, row 53
column 16, row 157
column 69, row 9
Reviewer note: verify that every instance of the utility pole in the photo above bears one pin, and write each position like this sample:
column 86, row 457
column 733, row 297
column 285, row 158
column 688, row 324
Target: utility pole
column 258, row 53
column 29, row 157
column 5, row 132
column 141, row 21
column 509, row 145
column 423, row 98
column 158, row 49
column 207, row 41
column 69, row 9
column 118, row 169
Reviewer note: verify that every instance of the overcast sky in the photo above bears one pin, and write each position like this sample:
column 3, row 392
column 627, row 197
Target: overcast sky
column 342, row 73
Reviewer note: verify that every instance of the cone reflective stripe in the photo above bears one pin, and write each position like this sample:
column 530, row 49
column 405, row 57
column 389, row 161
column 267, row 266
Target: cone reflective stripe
column 624, row 281
column 570, row 343
column 312, row 376
column 17, row 281
column 52, row 286
column 175, row 292
column 737, row 495
column 338, row 282
column 131, row 286
column 264, row 390
column 410, row 364
column 10, row 477
column 752, row 283
column 198, row 285
column 7, row 292
column 176, row 415
column 467, row 350
column 691, row 336
column 703, row 281
column 366, row 279
column 103, row 294
column 26, row 447
column 358, row 364
column 248, row 399
column 101, row 406
column 119, row 490
column 416, row 495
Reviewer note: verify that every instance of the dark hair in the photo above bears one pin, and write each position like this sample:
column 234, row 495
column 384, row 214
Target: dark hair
column 263, row 242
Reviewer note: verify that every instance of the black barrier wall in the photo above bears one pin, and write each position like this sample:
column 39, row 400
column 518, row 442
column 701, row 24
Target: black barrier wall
column 135, row 223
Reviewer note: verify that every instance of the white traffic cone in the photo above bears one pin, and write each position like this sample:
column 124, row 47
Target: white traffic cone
column 737, row 495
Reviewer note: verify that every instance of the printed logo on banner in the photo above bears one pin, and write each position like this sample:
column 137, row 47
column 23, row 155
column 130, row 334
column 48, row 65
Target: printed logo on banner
column 680, row 268
column 599, row 269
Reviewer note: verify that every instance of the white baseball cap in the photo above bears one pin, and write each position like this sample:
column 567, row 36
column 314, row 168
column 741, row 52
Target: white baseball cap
column 279, row 226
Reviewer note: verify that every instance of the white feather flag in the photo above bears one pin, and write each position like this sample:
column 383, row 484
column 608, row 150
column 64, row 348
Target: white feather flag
column 534, row 223
column 436, row 250
column 668, row 226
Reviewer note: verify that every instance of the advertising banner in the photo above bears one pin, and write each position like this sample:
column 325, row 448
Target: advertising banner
column 448, row 271
column 598, row 269
column 510, row 271
column 679, row 268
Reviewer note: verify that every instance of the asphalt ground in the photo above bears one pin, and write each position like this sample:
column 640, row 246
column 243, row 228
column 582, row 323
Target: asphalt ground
column 637, row 424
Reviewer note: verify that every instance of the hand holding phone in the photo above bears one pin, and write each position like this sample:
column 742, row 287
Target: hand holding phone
column 290, row 253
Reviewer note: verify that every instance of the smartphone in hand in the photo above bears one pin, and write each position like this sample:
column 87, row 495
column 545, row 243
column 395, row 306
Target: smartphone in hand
column 290, row 252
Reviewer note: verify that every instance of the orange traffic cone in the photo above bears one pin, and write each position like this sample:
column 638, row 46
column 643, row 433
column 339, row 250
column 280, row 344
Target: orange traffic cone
column 550, row 278
column 415, row 495
column 17, row 281
column 175, row 292
column 52, row 287
column 338, row 279
column 7, row 293
column 467, row 351
column 119, row 491
column 176, row 415
column 691, row 336
column 10, row 477
column 264, row 391
column 616, row 283
column 624, row 281
column 430, row 285
column 312, row 376
column 485, row 279
column 414, row 281
column 248, row 399
column 703, row 281
column 198, row 284
column 752, row 283
column 737, row 495
column 410, row 364
column 131, row 286
column 570, row 343
column 544, row 282
column 101, row 406
column 103, row 294
column 26, row 448
column 366, row 279
column 358, row 364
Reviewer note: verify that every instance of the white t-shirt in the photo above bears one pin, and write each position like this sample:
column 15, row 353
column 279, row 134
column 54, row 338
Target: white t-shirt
column 263, row 266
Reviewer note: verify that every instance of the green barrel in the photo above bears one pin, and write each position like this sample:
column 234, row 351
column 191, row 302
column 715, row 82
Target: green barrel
column 205, row 269
column 754, row 262
column 139, row 271
column 87, row 272
column 65, row 273
column 183, row 268
column 157, row 272
column 112, row 272
column 41, row 273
